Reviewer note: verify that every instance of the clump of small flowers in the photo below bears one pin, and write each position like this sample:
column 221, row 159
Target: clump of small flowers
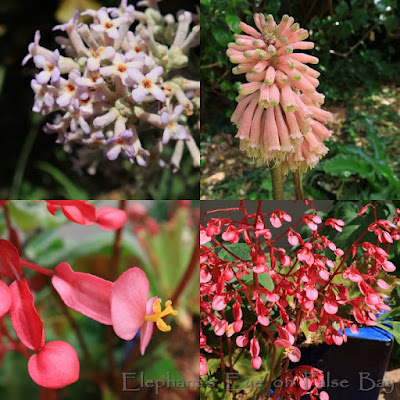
column 279, row 115
column 267, row 300
column 108, row 84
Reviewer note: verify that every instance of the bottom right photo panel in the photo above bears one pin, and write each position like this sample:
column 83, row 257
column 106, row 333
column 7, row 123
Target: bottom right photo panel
column 299, row 300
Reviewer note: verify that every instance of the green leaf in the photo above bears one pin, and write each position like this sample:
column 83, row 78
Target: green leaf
column 241, row 250
column 347, row 165
column 265, row 281
column 71, row 190
column 222, row 36
column 232, row 21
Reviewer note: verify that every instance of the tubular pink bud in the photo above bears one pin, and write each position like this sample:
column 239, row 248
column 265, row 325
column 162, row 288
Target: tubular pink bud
column 249, row 30
column 271, row 130
column 249, row 88
column 264, row 100
column 274, row 95
column 245, row 124
column 270, row 75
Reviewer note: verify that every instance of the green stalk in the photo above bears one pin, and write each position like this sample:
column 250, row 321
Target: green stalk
column 298, row 185
column 277, row 182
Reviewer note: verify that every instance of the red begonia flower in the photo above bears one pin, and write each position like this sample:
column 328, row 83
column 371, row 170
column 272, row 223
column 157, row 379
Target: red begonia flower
column 110, row 218
column 75, row 210
column 10, row 265
column 83, row 292
column 55, row 366
column 5, row 299
column 131, row 311
column 24, row 318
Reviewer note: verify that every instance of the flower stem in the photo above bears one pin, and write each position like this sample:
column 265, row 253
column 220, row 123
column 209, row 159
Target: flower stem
column 298, row 185
column 191, row 268
column 277, row 182
column 37, row 268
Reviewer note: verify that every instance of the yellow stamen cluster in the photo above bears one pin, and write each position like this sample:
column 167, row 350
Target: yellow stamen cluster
column 158, row 315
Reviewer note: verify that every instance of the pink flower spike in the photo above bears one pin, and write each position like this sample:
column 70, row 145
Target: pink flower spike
column 129, row 302
column 83, row 292
column 55, row 366
column 110, row 218
column 24, row 318
column 5, row 299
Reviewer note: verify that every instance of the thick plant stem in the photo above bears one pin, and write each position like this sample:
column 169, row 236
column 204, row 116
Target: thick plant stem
column 298, row 185
column 277, row 182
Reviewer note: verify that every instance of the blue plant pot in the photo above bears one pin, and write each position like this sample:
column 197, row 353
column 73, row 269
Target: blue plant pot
column 354, row 370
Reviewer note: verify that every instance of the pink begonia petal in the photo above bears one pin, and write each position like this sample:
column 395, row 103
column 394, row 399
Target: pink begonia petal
column 218, row 303
column 220, row 327
column 203, row 365
column 146, row 331
column 275, row 221
column 110, row 218
column 291, row 327
column 256, row 362
column 24, row 318
column 55, row 366
column 5, row 299
column 242, row 341
column 323, row 396
column 294, row 354
column 330, row 308
column 382, row 284
column 128, row 302
column 312, row 294
column 84, row 214
column 388, row 266
column 282, row 343
column 263, row 320
column 254, row 347
column 83, row 292
column 10, row 264
column 204, row 238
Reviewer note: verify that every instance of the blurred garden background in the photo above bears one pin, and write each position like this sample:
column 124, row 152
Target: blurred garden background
column 357, row 44
column 161, row 238
column 32, row 165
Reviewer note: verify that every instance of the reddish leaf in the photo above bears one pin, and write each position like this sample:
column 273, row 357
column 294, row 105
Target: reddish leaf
column 10, row 265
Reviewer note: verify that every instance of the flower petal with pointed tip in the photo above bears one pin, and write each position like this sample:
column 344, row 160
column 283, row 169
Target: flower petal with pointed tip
column 83, row 292
column 110, row 218
column 146, row 331
column 24, row 318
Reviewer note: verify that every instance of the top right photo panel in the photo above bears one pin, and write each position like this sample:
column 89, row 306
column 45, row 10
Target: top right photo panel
column 300, row 99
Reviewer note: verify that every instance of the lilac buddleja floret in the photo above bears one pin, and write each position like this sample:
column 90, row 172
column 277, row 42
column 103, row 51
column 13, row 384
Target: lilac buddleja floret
column 172, row 128
column 107, row 82
column 146, row 84
column 121, row 142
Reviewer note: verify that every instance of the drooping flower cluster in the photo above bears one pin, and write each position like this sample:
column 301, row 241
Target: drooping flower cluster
column 279, row 115
column 305, row 291
column 113, row 83
column 124, row 304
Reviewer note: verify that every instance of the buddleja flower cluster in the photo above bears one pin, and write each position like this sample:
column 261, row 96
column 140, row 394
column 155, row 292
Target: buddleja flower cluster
column 123, row 304
column 113, row 82
column 279, row 115
column 309, row 289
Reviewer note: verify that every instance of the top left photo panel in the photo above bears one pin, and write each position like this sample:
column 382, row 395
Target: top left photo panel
column 100, row 99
